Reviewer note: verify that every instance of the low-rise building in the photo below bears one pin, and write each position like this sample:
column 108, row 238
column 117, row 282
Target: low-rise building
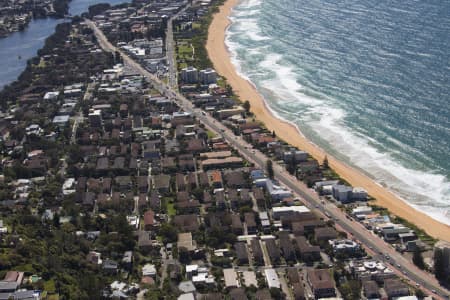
column 272, row 279
column 321, row 283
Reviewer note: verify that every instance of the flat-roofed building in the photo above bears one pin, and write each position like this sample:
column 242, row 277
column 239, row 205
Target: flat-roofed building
column 273, row 281
column 231, row 278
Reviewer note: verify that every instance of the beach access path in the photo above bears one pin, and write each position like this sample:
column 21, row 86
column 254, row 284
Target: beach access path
column 220, row 56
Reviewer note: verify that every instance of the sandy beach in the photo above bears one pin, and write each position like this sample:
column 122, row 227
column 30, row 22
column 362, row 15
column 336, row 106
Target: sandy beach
column 219, row 55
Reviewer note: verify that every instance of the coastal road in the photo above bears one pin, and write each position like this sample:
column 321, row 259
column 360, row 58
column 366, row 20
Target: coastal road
column 310, row 198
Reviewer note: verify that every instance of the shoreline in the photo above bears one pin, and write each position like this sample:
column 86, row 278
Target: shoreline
column 220, row 57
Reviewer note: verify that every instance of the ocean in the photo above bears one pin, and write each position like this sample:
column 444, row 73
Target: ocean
column 368, row 81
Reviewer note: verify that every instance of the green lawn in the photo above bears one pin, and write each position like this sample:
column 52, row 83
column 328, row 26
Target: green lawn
column 211, row 134
column 49, row 286
column 170, row 206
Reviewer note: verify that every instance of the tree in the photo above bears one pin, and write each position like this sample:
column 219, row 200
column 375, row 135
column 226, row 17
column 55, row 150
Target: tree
column 184, row 256
column 418, row 259
column 246, row 106
column 168, row 233
column 269, row 169
column 325, row 163
column 275, row 293
column 420, row 294
column 439, row 266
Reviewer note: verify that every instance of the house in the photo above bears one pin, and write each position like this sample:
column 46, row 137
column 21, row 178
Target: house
column 180, row 182
column 249, row 278
column 161, row 183
column 293, row 275
column 257, row 252
column 235, row 179
column 127, row 260
column 236, row 224
column 286, row 246
column 228, row 162
column 203, row 179
column 149, row 270
column 186, row 287
column 124, row 183
column 238, row 294
column 110, row 266
column 3, row 229
column 155, row 201
column 305, row 227
column 289, row 211
column 345, row 246
column 273, row 250
column 192, row 180
column 186, row 162
column 272, row 279
column 241, row 253
column 306, row 251
column 263, row 294
column 188, row 207
column 149, row 220
column 211, row 296
column 142, row 184
column 395, row 288
column 191, row 270
column 196, row 145
column 8, row 287
column 145, row 242
column 346, row 194
column 188, row 296
column 370, row 289
column 216, row 179
column 323, row 234
column 250, row 222
column 298, row 291
column 231, row 278
column 186, row 223
column 185, row 241
column 94, row 258
column 265, row 222
column 321, row 283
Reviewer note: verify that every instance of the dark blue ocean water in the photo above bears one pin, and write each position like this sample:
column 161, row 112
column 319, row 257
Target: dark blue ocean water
column 369, row 81
column 25, row 44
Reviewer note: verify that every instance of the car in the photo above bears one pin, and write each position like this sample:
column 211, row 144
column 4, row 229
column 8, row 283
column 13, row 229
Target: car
column 398, row 266
column 417, row 285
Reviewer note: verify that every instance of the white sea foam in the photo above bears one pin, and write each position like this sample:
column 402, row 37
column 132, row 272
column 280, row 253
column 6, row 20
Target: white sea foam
column 426, row 191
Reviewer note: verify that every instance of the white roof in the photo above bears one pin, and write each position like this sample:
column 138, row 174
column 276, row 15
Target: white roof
column 186, row 286
column 230, row 277
column 149, row 270
column 272, row 278
column 249, row 278
column 189, row 296
column 191, row 268
column 299, row 209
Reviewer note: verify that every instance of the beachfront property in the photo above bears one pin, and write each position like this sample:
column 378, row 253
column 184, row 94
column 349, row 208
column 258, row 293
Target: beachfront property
column 346, row 194
column 207, row 76
column 189, row 75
